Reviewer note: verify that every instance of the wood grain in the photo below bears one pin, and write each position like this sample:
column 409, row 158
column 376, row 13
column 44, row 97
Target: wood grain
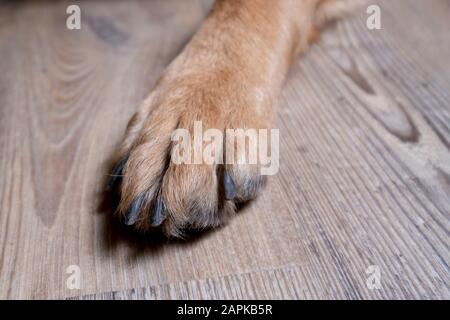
column 364, row 176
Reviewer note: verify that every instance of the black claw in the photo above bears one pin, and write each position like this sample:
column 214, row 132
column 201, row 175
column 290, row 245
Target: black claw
column 230, row 188
column 159, row 213
column 116, row 174
column 134, row 210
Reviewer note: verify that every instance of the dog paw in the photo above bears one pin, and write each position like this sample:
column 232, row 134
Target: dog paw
column 156, row 189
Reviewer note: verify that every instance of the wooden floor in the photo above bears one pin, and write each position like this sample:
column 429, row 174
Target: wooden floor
column 365, row 160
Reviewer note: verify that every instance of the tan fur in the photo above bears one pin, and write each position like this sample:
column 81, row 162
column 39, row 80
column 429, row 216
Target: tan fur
column 228, row 76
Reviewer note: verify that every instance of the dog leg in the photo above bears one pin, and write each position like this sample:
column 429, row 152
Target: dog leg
column 228, row 77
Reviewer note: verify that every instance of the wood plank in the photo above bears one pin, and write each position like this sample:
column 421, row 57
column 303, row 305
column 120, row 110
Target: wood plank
column 365, row 160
